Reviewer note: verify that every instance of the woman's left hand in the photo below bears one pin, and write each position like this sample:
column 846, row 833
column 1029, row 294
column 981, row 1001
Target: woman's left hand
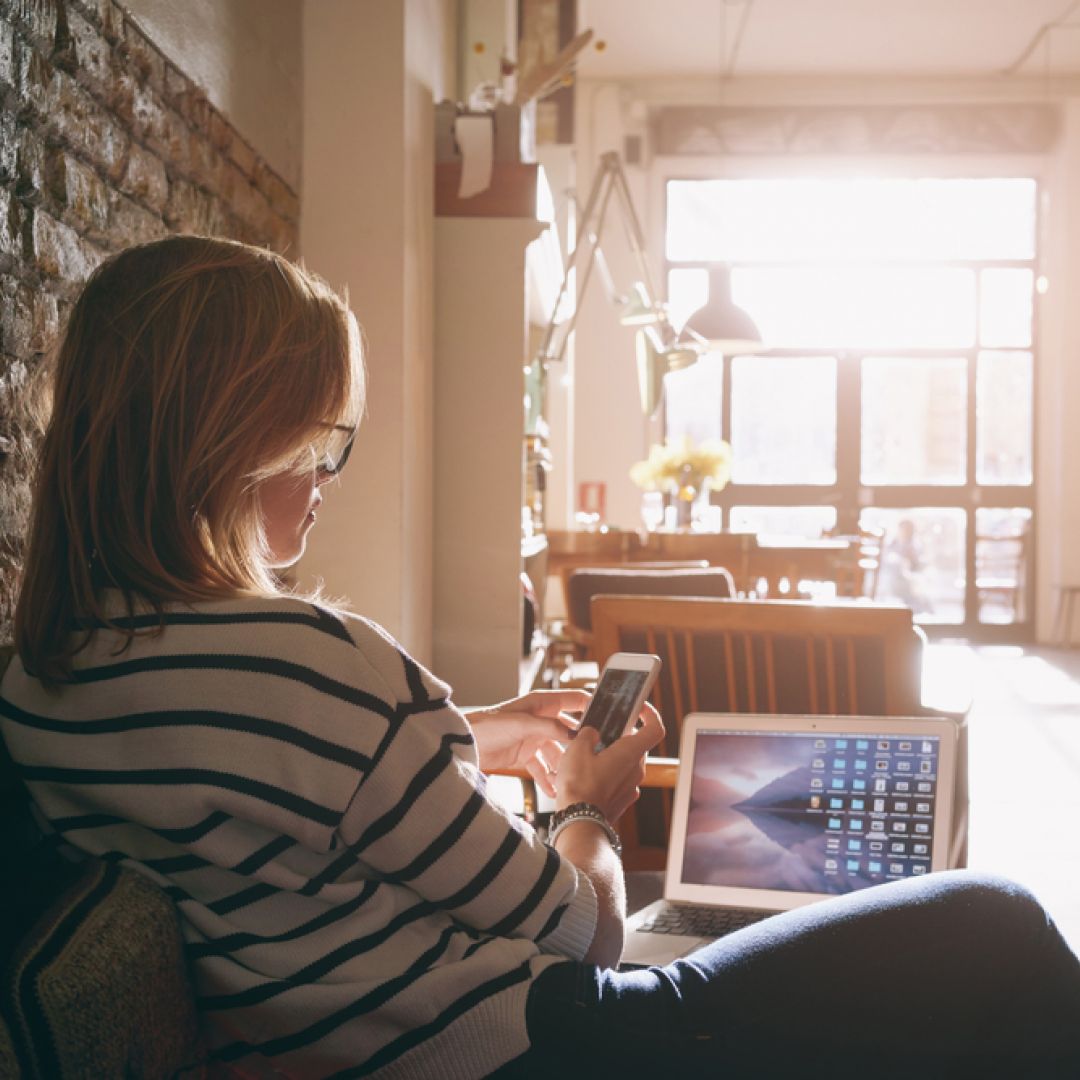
column 528, row 733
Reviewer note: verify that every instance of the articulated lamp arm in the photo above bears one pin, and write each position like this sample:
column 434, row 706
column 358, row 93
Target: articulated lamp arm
column 657, row 349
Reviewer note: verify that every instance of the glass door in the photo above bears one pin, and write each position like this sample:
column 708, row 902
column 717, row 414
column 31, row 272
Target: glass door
column 896, row 397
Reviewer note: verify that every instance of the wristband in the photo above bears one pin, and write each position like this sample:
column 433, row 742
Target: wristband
column 583, row 811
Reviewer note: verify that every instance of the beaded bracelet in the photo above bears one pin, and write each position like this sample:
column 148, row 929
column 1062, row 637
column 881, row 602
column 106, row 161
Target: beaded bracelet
column 583, row 811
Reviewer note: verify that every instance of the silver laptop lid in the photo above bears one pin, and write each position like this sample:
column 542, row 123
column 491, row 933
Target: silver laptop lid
column 778, row 811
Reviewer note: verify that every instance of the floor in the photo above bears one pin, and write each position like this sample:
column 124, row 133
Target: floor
column 1025, row 766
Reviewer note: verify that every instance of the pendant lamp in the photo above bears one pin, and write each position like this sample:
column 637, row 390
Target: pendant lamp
column 722, row 323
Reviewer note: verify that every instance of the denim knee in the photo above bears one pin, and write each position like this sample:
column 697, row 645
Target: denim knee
column 989, row 897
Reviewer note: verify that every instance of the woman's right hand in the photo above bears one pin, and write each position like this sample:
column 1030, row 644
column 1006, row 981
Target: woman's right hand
column 611, row 779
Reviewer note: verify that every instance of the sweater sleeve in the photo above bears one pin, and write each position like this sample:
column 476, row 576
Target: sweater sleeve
column 420, row 817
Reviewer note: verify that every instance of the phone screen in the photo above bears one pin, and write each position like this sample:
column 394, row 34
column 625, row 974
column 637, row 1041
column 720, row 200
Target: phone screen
column 609, row 710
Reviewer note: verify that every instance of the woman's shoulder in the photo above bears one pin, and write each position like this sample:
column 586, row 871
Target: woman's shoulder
column 410, row 680
column 304, row 627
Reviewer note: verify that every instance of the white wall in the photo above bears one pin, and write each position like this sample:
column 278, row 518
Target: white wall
column 1057, row 431
column 371, row 73
column 604, row 385
column 246, row 56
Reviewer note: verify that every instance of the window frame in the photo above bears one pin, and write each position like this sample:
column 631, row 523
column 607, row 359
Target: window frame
column 848, row 495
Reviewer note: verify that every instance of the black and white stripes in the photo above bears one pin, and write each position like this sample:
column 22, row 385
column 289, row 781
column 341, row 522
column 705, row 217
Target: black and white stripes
column 304, row 791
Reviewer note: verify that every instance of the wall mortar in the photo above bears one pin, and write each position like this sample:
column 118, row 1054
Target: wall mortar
column 103, row 143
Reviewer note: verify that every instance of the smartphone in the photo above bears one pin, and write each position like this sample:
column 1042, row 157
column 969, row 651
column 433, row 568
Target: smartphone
column 624, row 685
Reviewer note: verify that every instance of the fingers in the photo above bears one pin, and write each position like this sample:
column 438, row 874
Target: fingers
column 539, row 770
column 648, row 734
column 552, row 703
column 586, row 738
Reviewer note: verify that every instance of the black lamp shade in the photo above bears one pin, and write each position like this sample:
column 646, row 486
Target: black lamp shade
column 725, row 326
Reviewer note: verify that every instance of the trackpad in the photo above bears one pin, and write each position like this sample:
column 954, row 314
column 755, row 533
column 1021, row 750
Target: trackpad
column 644, row 949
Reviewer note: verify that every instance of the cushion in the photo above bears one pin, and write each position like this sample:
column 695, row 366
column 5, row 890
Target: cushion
column 93, row 979
column 585, row 584
column 98, row 986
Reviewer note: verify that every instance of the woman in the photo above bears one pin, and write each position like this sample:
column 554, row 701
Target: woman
column 352, row 901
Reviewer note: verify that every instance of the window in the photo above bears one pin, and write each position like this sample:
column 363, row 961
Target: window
column 897, row 393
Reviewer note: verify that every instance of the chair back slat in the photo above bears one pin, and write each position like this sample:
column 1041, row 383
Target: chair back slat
column 811, row 676
column 676, row 679
column 853, row 695
column 770, row 673
column 674, row 578
column 751, row 675
column 729, row 656
column 691, row 672
column 770, row 656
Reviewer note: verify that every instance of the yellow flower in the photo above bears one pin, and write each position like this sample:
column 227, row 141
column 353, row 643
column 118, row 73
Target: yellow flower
column 678, row 465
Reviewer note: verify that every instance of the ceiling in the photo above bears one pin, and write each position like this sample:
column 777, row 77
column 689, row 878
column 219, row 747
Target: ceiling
column 885, row 38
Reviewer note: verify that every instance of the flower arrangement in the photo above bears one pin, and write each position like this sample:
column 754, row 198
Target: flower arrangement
column 682, row 469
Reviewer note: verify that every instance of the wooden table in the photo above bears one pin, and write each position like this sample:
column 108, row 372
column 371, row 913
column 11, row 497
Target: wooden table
column 748, row 557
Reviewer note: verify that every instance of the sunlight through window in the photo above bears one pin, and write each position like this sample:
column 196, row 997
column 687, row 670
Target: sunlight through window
column 896, row 389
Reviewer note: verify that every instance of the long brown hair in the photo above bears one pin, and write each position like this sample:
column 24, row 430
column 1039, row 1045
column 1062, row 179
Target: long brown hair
column 191, row 369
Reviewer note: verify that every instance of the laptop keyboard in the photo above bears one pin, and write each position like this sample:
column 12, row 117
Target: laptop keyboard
column 691, row 920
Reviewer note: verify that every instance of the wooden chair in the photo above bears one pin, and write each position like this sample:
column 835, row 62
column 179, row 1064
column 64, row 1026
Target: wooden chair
column 733, row 551
column 769, row 656
column 569, row 569
column 688, row 578
column 1001, row 575
column 857, row 569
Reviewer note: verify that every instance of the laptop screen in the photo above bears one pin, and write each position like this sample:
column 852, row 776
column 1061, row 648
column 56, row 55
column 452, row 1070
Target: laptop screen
column 821, row 812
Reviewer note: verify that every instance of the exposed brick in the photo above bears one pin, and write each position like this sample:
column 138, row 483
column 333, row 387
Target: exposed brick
column 44, row 321
column 201, row 158
column 168, row 137
column 79, row 120
column 15, row 503
column 146, row 179
column 13, row 380
column 37, row 18
column 112, row 18
column 103, row 143
column 146, row 62
column 279, row 195
column 72, row 113
column 221, row 132
column 180, row 211
column 194, row 108
column 121, row 98
column 192, row 209
column 106, row 14
column 29, row 166
column 177, row 84
column 34, row 83
column 10, row 226
column 60, row 252
column 112, row 147
column 56, row 176
column 23, row 319
column 245, row 158
column 146, row 111
column 9, row 59
column 8, row 146
column 129, row 223
column 250, row 206
column 87, row 200
column 63, row 50
column 93, row 54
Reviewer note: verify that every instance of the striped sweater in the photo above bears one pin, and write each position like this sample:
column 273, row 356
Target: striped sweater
column 352, row 902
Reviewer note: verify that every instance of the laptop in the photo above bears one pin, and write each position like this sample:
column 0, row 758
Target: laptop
column 773, row 812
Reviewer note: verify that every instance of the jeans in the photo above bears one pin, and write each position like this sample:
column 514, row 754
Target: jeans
column 957, row 974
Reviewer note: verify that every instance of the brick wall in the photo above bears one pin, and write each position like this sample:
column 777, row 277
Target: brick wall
column 103, row 143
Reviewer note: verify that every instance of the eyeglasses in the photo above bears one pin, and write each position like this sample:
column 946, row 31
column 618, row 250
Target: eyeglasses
column 336, row 448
